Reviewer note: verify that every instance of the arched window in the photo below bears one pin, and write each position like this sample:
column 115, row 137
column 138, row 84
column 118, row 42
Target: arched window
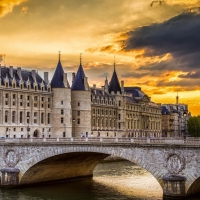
column 6, row 84
column 14, row 85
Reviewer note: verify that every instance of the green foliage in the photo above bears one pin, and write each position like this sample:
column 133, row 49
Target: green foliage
column 194, row 126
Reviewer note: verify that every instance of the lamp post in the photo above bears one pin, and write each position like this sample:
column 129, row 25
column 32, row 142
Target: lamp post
column 9, row 132
column 28, row 129
column 73, row 135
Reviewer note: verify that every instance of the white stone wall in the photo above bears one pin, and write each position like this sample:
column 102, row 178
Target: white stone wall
column 61, row 109
column 25, row 101
column 81, row 110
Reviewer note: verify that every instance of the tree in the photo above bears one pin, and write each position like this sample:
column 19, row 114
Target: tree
column 194, row 126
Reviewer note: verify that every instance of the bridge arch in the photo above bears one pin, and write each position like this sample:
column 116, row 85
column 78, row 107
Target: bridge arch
column 194, row 187
column 80, row 160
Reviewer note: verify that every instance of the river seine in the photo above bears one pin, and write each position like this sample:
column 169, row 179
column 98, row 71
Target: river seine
column 111, row 181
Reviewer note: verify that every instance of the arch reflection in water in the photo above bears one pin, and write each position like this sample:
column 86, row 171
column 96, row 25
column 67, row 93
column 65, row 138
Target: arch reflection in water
column 111, row 181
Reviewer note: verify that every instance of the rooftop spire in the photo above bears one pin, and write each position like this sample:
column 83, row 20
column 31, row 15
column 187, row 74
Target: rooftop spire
column 114, row 62
column 57, row 80
column 114, row 85
column 80, row 58
column 59, row 55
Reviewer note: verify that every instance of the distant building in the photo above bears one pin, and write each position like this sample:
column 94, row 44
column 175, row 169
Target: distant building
column 174, row 119
column 33, row 107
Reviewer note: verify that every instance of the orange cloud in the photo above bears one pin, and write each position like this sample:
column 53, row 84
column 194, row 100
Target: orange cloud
column 6, row 6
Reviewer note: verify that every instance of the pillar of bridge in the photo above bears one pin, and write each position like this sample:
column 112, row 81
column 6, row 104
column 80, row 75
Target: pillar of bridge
column 174, row 187
column 9, row 177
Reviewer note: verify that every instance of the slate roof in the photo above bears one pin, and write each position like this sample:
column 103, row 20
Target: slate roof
column 99, row 93
column 131, row 100
column 114, row 85
column 25, row 76
column 165, row 111
column 136, row 91
column 57, row 80
column 78, row 83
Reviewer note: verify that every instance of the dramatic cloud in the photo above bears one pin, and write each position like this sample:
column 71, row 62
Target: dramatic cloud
column 179, row 36
column 191, row 75
column 6, row 6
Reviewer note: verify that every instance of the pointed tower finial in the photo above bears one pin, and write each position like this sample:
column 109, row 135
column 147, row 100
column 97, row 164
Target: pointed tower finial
column 80, row 58
column 114, row 62
column 59, row 52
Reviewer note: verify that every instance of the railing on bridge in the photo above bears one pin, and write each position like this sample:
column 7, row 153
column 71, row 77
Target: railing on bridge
column 187, row 141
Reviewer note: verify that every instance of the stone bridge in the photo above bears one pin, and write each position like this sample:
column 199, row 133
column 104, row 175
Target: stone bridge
column 174, row 163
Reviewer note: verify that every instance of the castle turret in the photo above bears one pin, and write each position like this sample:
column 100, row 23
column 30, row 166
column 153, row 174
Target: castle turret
column 115, row 90
column 61, row 109
column 81, row 104
column 114, row 85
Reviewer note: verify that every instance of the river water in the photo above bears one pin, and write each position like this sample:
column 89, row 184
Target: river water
column 111, row 181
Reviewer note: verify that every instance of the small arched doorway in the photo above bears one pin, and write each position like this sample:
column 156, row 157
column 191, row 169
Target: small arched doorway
column 35, row 133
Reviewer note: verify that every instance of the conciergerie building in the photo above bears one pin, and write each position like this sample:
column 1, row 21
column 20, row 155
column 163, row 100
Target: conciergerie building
column 34, row 107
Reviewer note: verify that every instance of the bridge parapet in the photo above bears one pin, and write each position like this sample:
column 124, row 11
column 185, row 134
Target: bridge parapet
column 188, row 141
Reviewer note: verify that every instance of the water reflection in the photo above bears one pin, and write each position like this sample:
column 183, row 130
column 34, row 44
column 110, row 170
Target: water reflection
column 111, row 181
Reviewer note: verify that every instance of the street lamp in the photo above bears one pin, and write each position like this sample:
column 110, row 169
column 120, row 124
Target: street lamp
column 9, row 132
column 73, row 135
column 28, row 129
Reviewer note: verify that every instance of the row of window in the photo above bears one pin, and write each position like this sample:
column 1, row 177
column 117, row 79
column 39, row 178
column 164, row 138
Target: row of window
column 102, row 111
column 28, row 97
column 28, row 117
column 28, row 87
column 22, row 129
column 28, row 104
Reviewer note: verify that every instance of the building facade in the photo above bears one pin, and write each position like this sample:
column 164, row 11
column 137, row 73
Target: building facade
column 175, row 119
column 33, row 107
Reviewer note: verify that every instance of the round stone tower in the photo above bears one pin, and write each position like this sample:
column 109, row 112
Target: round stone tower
column 61, row 108
column 81, row 104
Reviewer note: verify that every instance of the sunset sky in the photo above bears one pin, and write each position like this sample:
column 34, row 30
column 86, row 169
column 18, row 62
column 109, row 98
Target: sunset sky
column 156, row 44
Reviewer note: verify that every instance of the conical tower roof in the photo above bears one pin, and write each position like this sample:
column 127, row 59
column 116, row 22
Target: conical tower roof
column 114, row 85
column 78, row 83
column 57, row 80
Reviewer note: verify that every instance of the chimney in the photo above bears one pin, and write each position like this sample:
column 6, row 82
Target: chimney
column 73, row 76
column 86, row 83
column 46, row 77
column 65, row 81
column 11, row 71
column 122, row 86
column 19, row 73
column 106, row 85
column 94, row 87
column 102, row 89
column 33, row 74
